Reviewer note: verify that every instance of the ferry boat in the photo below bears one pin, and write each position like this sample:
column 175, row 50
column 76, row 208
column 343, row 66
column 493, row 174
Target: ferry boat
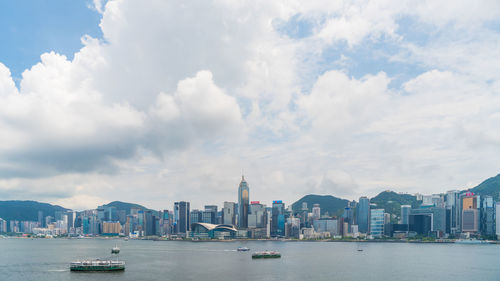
column 266, row 255
column 243, row 249
column 97, row 265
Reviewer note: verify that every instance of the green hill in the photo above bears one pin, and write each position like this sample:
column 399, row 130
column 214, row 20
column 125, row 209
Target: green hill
column 490, row 187
column 327, row 203
column 125, row 206
column 391, row 202
column 26, row 210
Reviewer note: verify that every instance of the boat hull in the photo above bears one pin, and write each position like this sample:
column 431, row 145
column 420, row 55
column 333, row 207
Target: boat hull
column 92, row 268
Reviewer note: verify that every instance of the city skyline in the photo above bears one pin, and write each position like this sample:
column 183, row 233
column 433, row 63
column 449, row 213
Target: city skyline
column 163, row 101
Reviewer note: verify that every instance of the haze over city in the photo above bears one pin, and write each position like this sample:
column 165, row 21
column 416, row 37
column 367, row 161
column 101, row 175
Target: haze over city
column 170, row 101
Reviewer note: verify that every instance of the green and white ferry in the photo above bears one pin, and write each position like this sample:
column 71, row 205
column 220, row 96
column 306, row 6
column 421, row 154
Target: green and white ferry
column 266, row 255
column 97, row 265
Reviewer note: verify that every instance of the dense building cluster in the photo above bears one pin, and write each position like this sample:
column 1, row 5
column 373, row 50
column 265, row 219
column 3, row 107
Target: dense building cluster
column 455, row 214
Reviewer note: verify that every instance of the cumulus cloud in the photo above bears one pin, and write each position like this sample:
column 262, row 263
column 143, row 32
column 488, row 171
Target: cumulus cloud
column 177, row 97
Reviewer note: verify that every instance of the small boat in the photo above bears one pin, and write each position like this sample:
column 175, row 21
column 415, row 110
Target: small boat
column 266, row 255
column 97, row 265
column 243, row 249
column 115, row 250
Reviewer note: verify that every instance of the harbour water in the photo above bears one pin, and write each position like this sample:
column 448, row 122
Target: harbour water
column 48, row 259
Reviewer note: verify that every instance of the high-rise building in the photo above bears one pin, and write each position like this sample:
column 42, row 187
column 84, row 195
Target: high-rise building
column 420, row 223
column 181, row 220
column 437, row 217
column 258, row 215
column 470, row 213
column 487, row 215
column 195, row 216
column 470, row 220
column 278, row 219
column 497, row 219
column 40, row 219
column 405, row 214
column 376, row 223
column 452, row 199
column 229, row 214
column 243, row 203
column 348, row 217
column 316, row 212
column 363, row 214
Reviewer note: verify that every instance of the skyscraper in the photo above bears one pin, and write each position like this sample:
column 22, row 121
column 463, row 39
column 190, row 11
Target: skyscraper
column 316, row 212
column 470, row 213
column 376, row 222
column 181, row 213
column 278, row 219
column 229, row 214
column 497, row 219
column 243, row 202
column 405, row 214
column 363, row 214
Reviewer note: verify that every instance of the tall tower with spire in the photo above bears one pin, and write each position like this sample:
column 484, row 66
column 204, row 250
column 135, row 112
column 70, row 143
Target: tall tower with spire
column 243, row 203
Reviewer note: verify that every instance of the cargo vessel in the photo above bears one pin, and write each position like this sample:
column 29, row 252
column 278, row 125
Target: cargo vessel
column 97, row 265
column 266, row 255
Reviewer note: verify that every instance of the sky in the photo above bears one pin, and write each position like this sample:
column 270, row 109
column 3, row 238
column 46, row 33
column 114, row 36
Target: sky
column 157, row 101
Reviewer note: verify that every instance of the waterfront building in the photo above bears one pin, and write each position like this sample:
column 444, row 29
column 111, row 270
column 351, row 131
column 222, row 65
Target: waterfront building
column 405, row 214
column 229, row 214
column 182, row 217
column 363, row 214
column 243, row 203
column 209, row 231
column 376, row 223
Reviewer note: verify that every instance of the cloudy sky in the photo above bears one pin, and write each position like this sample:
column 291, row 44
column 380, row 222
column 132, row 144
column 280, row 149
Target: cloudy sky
column 158, row 101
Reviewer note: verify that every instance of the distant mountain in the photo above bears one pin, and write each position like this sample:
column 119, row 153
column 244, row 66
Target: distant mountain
column 125, row 206
column 490, row 187
column 391, row 202
column 26, row 210
column 327, row 203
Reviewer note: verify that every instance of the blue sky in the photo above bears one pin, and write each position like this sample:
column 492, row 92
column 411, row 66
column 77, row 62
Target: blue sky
column 30, row 28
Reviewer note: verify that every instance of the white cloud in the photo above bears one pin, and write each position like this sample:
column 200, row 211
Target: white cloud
column 178, row 97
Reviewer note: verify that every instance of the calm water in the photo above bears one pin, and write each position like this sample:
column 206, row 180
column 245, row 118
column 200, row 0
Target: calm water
column 44, row 259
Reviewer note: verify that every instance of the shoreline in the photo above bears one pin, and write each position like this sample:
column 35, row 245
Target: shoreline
column 159, row 239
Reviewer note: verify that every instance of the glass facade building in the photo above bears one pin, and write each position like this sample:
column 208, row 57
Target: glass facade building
column 243, row 203
column 363, row 214
column 376, row 223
